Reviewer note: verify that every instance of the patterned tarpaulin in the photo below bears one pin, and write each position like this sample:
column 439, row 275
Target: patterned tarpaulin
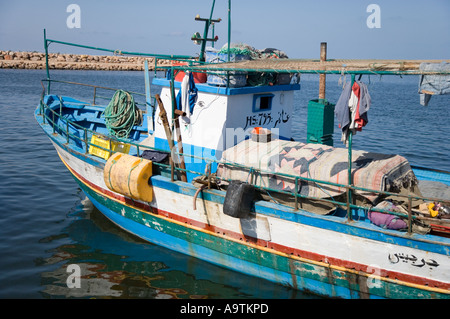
column 315, row 161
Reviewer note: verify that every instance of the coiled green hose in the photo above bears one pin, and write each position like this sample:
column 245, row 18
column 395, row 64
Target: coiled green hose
column 122, row 114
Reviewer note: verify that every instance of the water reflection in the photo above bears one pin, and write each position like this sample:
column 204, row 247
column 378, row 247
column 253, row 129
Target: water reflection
column 115, row 264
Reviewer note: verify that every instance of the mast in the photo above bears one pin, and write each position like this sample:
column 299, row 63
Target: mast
column 205, row 38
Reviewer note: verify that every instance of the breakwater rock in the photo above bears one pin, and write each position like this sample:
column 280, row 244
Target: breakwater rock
column 36, row 60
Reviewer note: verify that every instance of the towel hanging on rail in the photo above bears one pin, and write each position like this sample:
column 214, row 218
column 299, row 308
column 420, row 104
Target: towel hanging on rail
column 352, row 108
column 187, row 96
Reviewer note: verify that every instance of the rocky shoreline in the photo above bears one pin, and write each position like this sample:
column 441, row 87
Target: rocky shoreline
column 59, row 61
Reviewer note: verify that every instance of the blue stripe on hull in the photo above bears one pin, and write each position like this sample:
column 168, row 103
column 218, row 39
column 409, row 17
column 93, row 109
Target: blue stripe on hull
column 334, row 223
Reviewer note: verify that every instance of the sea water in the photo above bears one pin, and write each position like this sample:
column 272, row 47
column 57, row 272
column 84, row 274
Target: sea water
column 47, row 224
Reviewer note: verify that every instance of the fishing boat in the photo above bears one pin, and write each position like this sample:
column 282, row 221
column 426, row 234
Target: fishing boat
column 209, row 168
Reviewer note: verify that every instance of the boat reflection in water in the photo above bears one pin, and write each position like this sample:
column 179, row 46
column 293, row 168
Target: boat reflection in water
column 115, row 264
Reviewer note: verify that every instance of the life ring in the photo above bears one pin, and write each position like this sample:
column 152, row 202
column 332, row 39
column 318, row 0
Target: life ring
column 431, row 210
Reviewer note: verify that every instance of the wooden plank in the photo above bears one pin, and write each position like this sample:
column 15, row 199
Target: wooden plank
column 317, row 66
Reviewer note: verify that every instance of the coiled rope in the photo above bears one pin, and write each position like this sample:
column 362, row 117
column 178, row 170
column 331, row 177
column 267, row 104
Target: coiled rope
column 122, row 114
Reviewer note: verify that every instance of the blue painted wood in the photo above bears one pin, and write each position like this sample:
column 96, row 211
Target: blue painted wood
column 191, row 163
column 431, row 174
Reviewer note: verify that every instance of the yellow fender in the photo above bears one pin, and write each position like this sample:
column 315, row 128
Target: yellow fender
column 129, row 175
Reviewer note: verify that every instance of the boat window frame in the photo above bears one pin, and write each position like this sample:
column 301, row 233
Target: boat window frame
column 258, row 98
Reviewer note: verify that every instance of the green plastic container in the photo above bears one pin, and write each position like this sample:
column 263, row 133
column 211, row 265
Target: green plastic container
column 320, row 122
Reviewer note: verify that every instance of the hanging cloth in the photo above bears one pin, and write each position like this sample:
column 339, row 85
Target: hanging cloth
column 362, row 100
column 433, row 84
column 187, row 96
column 352, row 107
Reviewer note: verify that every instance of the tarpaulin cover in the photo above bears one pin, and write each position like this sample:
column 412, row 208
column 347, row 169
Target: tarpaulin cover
column 316, row 161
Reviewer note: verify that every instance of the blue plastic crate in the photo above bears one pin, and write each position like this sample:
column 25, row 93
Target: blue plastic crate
column 237, row 79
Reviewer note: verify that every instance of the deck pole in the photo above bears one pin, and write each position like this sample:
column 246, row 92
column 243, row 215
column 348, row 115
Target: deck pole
column 350, row 179
column 169, row 135
column 181, row 162
column 322, row 77
column 172, row 95
column 148, row 100
column 409, row 215
column 46, row 61
column 229, row 29
column 349, row 201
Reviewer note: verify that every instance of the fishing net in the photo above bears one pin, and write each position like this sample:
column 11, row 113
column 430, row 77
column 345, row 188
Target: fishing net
column 240, row 49
column 257, row 78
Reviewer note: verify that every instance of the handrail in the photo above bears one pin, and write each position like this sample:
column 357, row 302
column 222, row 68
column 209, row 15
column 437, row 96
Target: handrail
column 93, row 86
column 47, row 43
column 121, row 52
column 85, row 140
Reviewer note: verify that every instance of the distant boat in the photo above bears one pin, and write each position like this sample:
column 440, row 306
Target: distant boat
column 208, row 168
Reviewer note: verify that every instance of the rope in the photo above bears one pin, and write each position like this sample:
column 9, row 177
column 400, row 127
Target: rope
column 121, row 114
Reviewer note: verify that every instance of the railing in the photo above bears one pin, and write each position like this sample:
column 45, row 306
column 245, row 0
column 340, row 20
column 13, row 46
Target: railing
column 56, row 117
column 47, row 43
column 95, row 87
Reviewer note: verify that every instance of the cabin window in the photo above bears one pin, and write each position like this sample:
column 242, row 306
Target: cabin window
column 262, row 102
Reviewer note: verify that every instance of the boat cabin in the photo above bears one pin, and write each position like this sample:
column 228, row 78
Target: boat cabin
column 223, row 116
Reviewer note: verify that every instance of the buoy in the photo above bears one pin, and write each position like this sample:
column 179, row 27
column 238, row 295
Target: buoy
column 129, row 175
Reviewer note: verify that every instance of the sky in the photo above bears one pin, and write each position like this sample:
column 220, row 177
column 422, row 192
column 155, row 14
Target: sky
column 398, row 29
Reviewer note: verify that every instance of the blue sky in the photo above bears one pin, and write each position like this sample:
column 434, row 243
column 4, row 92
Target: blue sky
column 409, row 29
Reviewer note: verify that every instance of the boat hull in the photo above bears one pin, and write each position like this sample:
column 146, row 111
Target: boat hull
column 266, row 245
